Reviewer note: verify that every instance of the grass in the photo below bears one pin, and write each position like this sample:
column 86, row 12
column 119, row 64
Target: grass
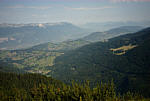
column 122, row 50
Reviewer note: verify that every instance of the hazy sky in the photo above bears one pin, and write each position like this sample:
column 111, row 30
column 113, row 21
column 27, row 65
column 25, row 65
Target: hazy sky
column 74, row 11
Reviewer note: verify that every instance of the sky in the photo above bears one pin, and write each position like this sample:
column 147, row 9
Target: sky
column 73, row 11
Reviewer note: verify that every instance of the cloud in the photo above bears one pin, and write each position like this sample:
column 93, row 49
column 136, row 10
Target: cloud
column 130, row 0
column 80, row 0
column 30, row 7
column 40, row 7
column 37, row 15
column 89, row 8
column 16, row 6
column 34, row 15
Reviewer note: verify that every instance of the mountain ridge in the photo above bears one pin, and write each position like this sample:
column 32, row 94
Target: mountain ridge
column 28, row 35
column 104, row 36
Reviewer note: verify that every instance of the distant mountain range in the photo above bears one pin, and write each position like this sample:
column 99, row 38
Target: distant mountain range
column 104, row 36
column 104, row 26
column 93, row 37
column 15, row 36
column 18, row 36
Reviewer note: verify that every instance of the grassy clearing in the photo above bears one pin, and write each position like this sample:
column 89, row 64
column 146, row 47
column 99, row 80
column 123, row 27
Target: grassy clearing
column 122, row 50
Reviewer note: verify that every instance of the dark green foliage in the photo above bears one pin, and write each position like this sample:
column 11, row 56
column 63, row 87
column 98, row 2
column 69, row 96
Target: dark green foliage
column 7, row 67
column 35, row 87
column 18, row 86
column 96, row 62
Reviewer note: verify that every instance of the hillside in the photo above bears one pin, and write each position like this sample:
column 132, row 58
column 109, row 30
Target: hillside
column 104, row 36
column 97, row 62
column 16, row 36
column 35, row 87
column 36, row 59
column 61, row 46
column 19, row 86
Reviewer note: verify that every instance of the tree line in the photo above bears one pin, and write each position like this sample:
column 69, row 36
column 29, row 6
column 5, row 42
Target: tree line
column 36, row 87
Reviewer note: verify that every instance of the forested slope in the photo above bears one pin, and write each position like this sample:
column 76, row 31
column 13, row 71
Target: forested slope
column 125, row 59
column 35, row 87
